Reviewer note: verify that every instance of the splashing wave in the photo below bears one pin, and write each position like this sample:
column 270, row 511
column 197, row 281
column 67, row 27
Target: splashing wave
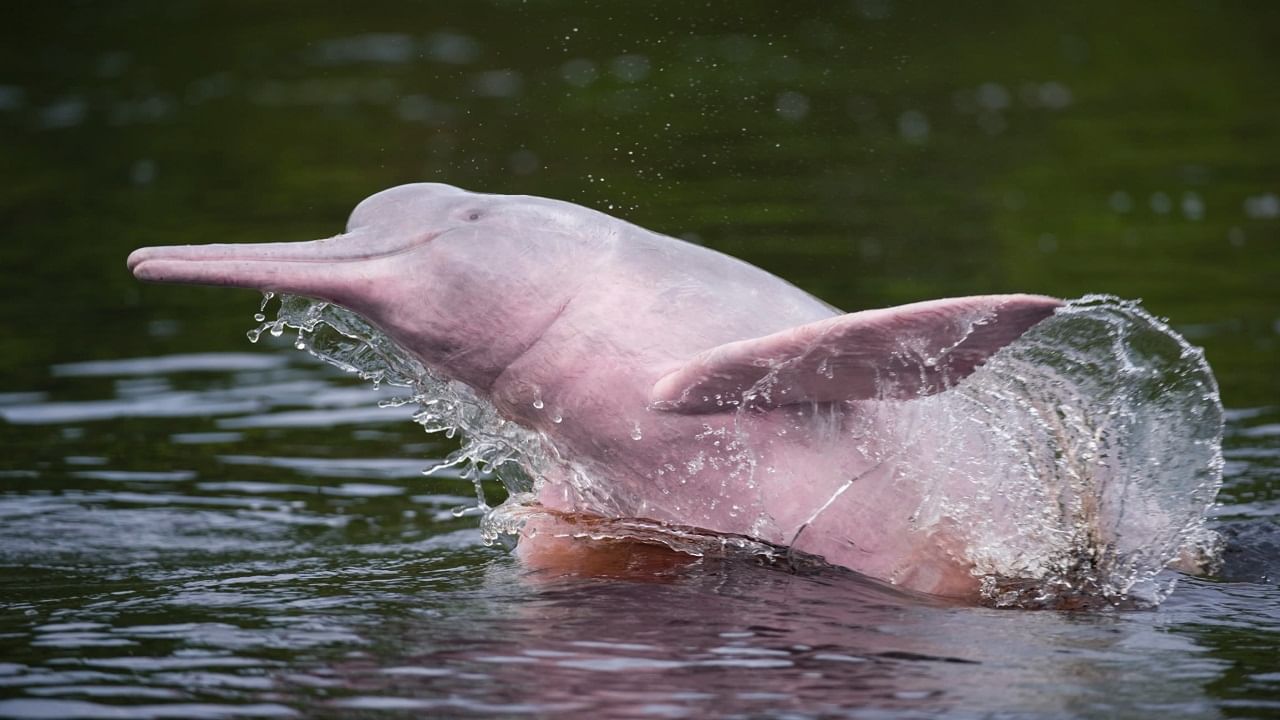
column 1074, row 467
column 1098, row 453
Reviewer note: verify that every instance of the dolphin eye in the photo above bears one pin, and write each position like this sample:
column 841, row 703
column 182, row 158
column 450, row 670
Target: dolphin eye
column 474, row 215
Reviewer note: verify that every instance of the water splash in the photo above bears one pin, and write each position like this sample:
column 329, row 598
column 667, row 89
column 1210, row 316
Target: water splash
column 1076, row 465
column 491, row 447
column 1079, row 462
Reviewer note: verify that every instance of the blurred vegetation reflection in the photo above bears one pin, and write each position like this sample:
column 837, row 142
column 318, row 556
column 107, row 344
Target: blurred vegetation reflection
column 874, row 151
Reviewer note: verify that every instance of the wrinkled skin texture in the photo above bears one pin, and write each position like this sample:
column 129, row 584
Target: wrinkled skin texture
column 690, row 387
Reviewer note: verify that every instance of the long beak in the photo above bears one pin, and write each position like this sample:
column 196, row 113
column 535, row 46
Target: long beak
column 327, row 269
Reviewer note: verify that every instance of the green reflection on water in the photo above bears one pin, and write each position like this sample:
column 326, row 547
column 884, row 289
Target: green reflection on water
column 874, row 153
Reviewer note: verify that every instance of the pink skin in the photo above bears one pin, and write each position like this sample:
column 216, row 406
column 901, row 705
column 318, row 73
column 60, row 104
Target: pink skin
column 552, row 310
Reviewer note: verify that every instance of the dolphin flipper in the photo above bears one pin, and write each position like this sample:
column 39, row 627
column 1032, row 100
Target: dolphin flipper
column 893, row 353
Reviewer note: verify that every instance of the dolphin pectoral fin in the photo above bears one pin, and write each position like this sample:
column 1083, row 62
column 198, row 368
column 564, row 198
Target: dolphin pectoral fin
column 894, row 353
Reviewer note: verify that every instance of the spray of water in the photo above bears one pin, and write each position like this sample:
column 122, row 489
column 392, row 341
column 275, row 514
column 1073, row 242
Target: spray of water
column 1091, row 452
column 490, row 446
column 1074, row 466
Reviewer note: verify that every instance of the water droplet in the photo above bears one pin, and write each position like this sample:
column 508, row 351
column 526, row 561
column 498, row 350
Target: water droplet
column 538, row 404
column 792, row 106
column 825, row 369
column 260, row 317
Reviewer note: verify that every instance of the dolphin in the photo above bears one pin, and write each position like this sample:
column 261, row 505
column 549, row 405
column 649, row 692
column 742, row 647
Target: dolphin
column 679, row 385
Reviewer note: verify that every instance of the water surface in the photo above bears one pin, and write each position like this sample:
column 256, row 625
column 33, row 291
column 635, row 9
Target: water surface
column 193, row 526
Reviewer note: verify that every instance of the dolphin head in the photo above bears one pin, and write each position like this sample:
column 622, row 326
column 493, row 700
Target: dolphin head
column 466, row 281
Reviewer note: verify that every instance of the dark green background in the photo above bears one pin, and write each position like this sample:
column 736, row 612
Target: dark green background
column 771, row 131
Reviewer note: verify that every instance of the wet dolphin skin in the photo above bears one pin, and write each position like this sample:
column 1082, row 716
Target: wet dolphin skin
column 675, row 383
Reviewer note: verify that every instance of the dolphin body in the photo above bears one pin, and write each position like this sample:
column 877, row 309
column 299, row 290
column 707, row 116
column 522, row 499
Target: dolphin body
column 690, row 387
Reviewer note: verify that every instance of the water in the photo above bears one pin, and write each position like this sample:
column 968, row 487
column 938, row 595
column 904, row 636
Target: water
column 328, row 576
column 192, row 526
column 1069, row 470
column 1099, row 456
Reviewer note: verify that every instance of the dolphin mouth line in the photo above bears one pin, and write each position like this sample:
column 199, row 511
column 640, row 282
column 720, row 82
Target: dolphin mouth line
column 324, row 269
column 327, row 251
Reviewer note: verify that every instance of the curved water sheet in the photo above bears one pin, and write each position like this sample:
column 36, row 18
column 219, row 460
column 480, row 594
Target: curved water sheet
column 490, row 446
column 1073, row 467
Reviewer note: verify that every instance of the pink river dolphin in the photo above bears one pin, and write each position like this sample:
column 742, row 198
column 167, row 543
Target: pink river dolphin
column 674, row 383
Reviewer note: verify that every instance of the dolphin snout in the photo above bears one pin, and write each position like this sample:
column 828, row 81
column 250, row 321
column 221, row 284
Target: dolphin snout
column 136, row 257
column 140, row 256
column 326, row 269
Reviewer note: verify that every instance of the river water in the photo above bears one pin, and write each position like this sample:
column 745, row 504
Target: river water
column 195, row 526
column 230, row 534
